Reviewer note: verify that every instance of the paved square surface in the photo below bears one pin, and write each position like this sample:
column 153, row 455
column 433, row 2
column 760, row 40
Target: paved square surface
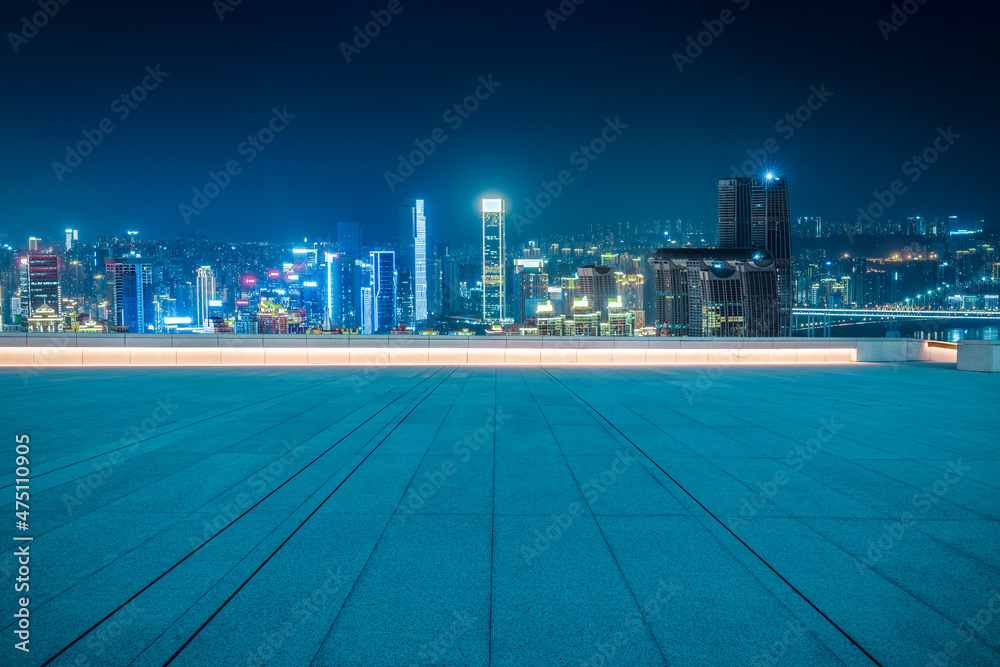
column 783, row 515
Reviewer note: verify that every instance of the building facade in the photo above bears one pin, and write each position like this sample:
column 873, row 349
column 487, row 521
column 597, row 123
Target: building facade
column 494, row 262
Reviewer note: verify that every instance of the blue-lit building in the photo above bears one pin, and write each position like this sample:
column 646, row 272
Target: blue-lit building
column 383, row 286
column 130, row 294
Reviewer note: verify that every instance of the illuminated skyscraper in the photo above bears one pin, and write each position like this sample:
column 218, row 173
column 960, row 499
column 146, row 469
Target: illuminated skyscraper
column 494, row 261
column 753, row 213
column 130, row 294
column 71, row 239
column 205, row 292
column 420, row 262
column 39, row 282
column 599, row 285
column 383, row 290
column 531, row 286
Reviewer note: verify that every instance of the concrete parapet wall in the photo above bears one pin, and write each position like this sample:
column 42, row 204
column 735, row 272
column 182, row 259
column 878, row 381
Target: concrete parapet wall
column 291, row 350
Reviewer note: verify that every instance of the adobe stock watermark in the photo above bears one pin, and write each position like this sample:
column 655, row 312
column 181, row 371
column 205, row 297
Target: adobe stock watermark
column 924, row 500
column 454, row 116
column 773, row 654
column 105, row 466
column 900, row 14
column 30, row 25
column 363, row 37
column 565, row 9
column 651, row 610
column 256, row 487
column 795, row 459
column 592, row 490
column 967, row 631
column 223, row 7
column 787, row 126
column 121, row 107
column 301, row 612
column 422, row 490
column 713, row 30
column 915, row 167
column 581, row 158
column 249, row 149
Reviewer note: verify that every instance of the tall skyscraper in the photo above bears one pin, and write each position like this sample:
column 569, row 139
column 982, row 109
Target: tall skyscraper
column 71, row 239
column 383, row 290
column 420, row 264
column 753, row 213
column 451, row 292
column 130, row 293
column 494, row 261
column 599, row 285
column 205, row 292
column 342, row 291
column 39, row 282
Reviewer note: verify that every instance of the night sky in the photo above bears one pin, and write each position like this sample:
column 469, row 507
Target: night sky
column 607, row 60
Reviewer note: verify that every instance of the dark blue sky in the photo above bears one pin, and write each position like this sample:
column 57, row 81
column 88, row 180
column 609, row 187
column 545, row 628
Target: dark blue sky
column 607, row 60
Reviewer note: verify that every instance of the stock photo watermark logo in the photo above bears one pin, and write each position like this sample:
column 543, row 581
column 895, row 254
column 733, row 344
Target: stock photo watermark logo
column 565, row 9
column 795, row 459
column 454, row 116
column 301, row 612
column 787, row 126
column 256, row 487
column 223, row 7
column 581, row 158
column 776, row 651
column 924, row 500
column 592, row 490
column 363, row 37
column 900, row 14
column 915, row 167
column 31, row 24
column 433, row 481
column 967, row 632
column 249, row 149
column 633, row 622
column 106, row 465
column 714, row 28
column 122, row 107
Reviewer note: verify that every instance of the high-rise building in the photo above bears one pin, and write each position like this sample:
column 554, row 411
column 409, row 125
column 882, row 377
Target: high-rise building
column 342, row 291
column 39, row 282
column 130, row 294
column 494, row 261
column 715, row 292
column 204, row 293
column 383, row 291
column 451, row 291
column 33, row 243
column 420, row 264
column 599, row 285
column 531, row 286
column 753, row 213
column 71, row 239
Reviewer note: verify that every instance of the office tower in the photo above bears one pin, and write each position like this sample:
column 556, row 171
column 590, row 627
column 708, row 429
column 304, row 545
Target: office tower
column 349, row 238
column 404, row 299
column 33, row 244
column 631, row 290
column 130, row 294
column 383, row 291
column 571, row 292
column 367, row 317
column 342, row 291
column 420, row 261
column 753, row 213
column 205, row 292
column 531, row 286
column 71, row 239
column 715, row 292
column 599, row 285
column 451, row 291
column 39, row 283
column 494, row 262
